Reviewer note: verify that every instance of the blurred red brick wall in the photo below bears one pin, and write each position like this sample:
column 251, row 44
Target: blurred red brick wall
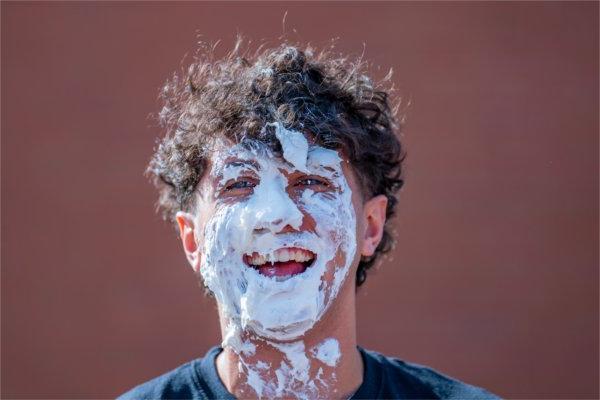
column 495, row 276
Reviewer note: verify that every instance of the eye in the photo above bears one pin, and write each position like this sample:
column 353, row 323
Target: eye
column 312, row 182
column 240, row 185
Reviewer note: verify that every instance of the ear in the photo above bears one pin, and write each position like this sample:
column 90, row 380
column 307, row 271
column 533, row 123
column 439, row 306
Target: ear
column 187, row 234
column 374, row 211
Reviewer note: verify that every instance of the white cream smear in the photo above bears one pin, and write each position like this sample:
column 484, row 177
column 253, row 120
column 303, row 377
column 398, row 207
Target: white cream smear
column 294, row 145
column 328, row 352
column 270, row 308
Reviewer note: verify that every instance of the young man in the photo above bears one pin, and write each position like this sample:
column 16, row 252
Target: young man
column 280, row 171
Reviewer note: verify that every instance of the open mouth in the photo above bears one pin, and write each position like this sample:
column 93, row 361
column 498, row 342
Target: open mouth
column 284, row 262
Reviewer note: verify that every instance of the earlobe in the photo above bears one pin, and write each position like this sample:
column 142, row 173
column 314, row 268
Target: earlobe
column 374, row 217
column 187, row 234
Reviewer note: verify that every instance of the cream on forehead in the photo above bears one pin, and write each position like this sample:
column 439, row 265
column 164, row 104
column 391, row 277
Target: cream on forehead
column 294, row 145
column 296, row 151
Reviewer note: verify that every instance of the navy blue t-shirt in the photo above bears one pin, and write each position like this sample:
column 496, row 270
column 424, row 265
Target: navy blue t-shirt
column 383, row 378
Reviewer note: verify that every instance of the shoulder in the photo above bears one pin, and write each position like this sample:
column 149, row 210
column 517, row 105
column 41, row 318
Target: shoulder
column 403, row 379
column 180, row 383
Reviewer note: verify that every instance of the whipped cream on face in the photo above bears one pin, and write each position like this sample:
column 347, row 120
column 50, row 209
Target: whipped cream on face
column 249, row 230
column 270, row 308
column 294, row 145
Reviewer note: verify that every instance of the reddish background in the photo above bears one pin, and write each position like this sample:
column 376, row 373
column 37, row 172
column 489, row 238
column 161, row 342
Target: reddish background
column 495, row 276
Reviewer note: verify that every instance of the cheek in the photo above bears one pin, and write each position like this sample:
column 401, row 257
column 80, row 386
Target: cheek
column 333, row 220
column 361, row 227
column 221, row 232
column 322, row 209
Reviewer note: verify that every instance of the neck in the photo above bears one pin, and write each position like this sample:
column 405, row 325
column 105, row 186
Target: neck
column 324, row 363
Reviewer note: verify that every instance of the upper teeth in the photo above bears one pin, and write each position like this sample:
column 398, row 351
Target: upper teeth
column 281, row 255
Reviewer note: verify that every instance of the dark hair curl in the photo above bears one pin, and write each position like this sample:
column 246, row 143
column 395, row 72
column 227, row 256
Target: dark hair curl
column 235, row 96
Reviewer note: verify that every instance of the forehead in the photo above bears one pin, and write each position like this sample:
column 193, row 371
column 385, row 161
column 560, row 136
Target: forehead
column 258, row 156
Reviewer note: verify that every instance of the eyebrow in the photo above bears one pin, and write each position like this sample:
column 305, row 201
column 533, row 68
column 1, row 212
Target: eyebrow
column 242, row 163
column 233, row 165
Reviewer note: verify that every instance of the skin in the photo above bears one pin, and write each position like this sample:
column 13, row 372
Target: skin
column 338, row 322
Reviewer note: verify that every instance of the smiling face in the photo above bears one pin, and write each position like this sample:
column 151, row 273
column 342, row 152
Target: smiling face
column 274, row 238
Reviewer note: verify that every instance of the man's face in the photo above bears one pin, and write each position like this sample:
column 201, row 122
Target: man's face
column 275, row 237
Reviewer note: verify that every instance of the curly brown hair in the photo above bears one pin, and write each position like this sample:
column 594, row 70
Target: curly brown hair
column 325, row 94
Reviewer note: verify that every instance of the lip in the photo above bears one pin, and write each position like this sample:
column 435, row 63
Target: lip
column 280, row 269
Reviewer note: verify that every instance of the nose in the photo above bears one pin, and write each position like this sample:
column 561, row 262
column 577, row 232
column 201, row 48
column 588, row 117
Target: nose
column 277, row 211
